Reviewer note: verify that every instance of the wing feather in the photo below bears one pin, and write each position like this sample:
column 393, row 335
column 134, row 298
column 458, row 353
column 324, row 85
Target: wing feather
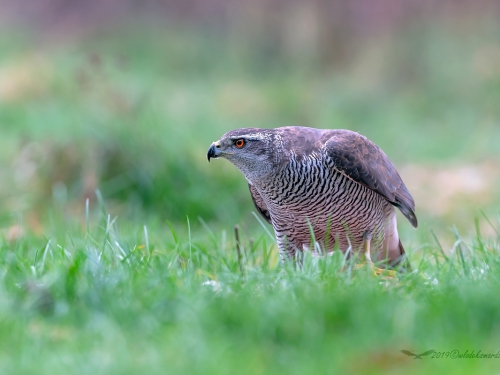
column 259, row 203
column 364, row 162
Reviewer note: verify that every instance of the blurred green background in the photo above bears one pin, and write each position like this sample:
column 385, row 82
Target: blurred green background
column 126, row 97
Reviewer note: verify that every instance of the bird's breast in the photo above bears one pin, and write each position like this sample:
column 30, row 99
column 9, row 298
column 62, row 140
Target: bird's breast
column 313, row 195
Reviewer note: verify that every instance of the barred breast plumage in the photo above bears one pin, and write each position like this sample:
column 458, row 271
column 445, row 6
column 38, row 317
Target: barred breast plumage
column 321, row 189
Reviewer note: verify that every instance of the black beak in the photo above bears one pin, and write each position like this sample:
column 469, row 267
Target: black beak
column 211, row 152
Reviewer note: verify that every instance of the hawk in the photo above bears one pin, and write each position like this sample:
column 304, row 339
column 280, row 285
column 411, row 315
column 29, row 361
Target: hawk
column 322, row 189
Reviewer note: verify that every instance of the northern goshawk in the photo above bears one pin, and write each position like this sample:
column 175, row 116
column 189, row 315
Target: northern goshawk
column 325, row 188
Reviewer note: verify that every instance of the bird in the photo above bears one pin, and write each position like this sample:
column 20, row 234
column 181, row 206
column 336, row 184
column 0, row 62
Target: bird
column 417, row 356
column 321, row 190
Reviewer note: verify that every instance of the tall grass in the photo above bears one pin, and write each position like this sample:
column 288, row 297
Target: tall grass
column 112, row 297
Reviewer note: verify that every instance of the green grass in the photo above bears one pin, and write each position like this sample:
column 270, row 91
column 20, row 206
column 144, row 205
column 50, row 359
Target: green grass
column 146, row 279
column 137, row 299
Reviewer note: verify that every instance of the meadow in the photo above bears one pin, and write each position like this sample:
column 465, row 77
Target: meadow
column 117, row 248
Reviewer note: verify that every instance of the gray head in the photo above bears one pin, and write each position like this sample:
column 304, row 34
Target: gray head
column 252, row 150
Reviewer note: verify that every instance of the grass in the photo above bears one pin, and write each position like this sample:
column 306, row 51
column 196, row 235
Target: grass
column 145, row 277
column 135, row 299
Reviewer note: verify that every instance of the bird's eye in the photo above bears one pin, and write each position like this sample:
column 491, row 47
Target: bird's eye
column 239, row 143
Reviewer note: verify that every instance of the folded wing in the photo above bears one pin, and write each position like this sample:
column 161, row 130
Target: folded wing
column 364, row 162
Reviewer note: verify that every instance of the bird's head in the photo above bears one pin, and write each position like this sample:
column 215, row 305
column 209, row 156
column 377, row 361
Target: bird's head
column 252, row 150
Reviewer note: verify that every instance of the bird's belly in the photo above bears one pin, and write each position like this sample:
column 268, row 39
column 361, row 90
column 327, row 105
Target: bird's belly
column 333, row 217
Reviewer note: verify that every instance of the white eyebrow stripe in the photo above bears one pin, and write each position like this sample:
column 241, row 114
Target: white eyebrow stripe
column 251, row 137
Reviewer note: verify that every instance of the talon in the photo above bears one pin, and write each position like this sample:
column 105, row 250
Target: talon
column 380, row 272
column 366, row 260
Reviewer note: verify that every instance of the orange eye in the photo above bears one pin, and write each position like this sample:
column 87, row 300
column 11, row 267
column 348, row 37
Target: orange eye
column 239, row 143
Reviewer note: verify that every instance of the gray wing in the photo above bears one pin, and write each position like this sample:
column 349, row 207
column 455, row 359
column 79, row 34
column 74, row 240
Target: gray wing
column 364, row 162
column 259, row 203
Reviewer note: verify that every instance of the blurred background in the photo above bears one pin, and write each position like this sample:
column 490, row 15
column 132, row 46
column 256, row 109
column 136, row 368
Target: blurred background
column 126, row 97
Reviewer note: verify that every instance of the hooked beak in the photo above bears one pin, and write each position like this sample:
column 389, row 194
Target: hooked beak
column 214, row 151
